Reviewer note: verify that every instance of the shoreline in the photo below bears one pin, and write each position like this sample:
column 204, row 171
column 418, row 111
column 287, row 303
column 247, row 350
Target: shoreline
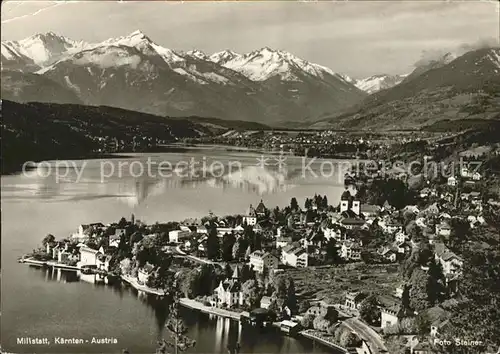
column 133, row 283
column 305, row 333
column 198, row 306
column 128, row 280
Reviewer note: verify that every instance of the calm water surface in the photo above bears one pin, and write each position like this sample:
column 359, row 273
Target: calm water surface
column 48, row 303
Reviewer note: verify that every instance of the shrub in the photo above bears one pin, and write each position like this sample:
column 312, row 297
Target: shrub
column 338, row 333
column 407, row 326
column 307, row 321
column 349, row 339
column 321, row 324
column 391, row 329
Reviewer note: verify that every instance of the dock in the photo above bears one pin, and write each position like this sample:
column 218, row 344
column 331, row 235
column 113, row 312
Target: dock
column 53, row 264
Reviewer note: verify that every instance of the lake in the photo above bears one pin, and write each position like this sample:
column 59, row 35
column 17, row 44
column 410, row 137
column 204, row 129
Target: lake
column 43, row 303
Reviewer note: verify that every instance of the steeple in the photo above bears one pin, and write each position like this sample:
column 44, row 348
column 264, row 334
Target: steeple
column 346, row 195
column 236, row 274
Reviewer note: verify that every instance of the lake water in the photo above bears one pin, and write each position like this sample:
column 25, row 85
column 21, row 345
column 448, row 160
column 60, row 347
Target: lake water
column 40, row 303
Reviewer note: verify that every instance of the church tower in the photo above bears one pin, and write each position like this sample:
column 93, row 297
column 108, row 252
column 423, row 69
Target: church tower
column 344, row 201
column 236, row 274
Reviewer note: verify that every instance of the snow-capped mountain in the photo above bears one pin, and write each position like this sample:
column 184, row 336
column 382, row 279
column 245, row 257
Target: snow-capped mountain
column 41, row 49
column 466, row 87
column 263, row 64
column 198, row 54
column 133, row 72
column 426, row 64
column 376, row 83
column 225, row 56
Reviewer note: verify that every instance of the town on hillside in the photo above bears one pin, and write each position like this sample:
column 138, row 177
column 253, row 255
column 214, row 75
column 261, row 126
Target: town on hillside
column 387, row 268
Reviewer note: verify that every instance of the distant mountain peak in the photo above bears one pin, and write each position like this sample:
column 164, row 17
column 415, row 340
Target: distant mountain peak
column 137, row 33
column 224, row 56
column 133, row 72
column 134, row 39
column 198, row 54
column 379, row 82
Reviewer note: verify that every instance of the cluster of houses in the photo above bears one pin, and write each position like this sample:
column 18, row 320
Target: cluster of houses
column 75, row 251
column 468, row 176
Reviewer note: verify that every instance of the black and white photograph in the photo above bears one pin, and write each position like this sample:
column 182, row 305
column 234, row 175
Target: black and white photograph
column 231, row 177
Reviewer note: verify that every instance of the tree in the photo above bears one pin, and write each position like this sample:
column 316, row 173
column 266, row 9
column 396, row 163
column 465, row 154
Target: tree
column 339, row 331
column 324, row 203
column 276, row 216
column 436, row 285
column 414, row 231
column 126, row 266
column 49, row 239
column 239, row 247
column 294, row 205
column 135, row 237
column 160, row 279
column 228, row 241
column 332, row 251
column 246, row 273
column 349, row 339
column 422, row 323
column 251, row 293
column 369, row 310
column 228, row 271
column 419, row 299
column 291, row 297
column 478, row 315
column 460, row 232
column 213, row 246
column 405, row 301
column 304, row 306
column 208, row 279
column 308, row 204
column 122, row 223
column 320, row 323
column 189, row 283
column 177, row 329
column 307, row 321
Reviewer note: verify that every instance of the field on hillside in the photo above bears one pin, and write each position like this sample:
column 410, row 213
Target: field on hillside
column 330, row 283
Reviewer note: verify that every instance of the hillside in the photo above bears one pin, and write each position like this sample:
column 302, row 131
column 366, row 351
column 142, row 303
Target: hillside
column 468, row 87
column 38, row 131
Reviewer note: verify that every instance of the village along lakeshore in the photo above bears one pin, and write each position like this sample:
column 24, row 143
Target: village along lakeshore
column 373, row 271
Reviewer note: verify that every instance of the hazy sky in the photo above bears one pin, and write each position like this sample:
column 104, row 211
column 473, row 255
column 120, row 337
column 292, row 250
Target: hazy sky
column 355, row 38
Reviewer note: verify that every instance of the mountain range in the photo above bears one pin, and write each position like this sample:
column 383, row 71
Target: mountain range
column 379, row 82
column 133, row 72
column 268, row 86
column 450, row 88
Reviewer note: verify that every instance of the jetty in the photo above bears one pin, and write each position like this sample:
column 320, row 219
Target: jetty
column 53, row 264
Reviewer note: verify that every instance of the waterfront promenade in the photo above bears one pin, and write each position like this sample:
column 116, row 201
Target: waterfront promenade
column 375, row 342
column 133, row 282
column 193, row 304
column 311, row 335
